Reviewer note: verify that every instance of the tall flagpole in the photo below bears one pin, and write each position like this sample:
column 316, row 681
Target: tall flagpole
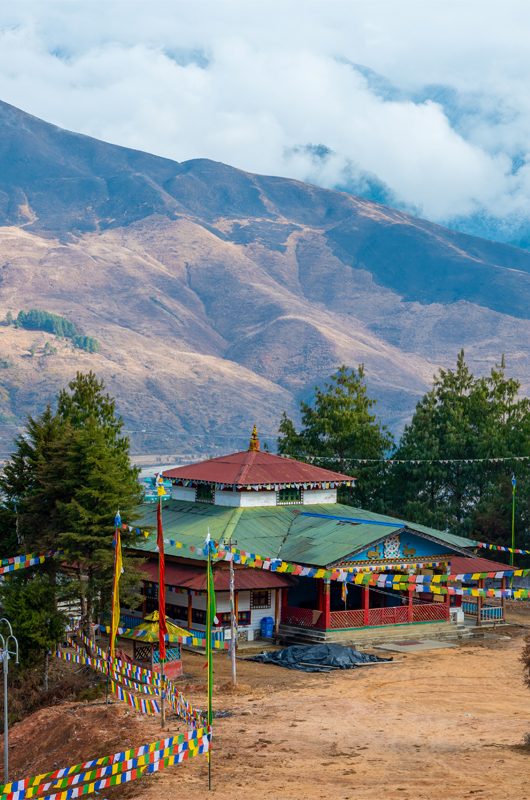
column 233, row 623
column 162, row 627
column 115, row 617
column 514, row 484
column 210, row 615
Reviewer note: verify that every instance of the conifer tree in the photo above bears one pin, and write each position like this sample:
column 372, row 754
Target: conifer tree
column 65, row 481
column 91, row 462
column 458, row 430
column 338, row 427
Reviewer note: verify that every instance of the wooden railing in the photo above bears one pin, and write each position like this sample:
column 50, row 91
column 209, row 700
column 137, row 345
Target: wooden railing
column 347, row 619
column 430, row 612
column 388, row 616
column 395, row 615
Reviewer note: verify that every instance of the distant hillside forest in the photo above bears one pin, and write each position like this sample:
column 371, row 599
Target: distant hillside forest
column 38, row 320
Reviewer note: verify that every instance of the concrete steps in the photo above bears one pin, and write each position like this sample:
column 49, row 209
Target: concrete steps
column 288, row 634
column 368, row 637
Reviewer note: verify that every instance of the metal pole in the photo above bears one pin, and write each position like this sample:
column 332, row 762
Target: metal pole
column 233, row 624
column 5, row 660
column 162, row 695
column 209, row 624
column 514, row 484
column 6, row 652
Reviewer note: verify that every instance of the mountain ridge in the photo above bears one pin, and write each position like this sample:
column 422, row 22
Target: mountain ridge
column 204, row 283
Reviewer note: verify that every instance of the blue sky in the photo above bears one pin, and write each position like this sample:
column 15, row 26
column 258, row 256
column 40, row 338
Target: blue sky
column 423, row 104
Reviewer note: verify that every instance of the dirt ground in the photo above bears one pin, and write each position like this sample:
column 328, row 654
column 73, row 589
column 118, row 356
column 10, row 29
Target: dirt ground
column 443, row 723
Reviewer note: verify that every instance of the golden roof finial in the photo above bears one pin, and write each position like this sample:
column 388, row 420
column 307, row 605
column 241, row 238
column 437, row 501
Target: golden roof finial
column 254, row 440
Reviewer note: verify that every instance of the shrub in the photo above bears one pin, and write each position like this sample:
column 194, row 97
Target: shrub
column 87, row 343
column 36, row 320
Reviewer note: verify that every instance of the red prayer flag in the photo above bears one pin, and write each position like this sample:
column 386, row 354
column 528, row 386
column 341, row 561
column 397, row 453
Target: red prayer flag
column 162, row 627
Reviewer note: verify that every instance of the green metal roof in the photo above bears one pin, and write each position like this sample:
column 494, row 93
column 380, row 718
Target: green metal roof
column 278, row 531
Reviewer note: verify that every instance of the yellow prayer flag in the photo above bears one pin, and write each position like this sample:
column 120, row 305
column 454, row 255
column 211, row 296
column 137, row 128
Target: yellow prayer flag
column 118, row 569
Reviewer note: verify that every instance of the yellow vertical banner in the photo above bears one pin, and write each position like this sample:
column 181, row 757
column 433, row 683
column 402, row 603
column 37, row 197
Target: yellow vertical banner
column 118, row 569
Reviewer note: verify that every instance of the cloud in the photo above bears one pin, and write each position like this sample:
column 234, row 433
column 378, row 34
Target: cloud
column 425, row 106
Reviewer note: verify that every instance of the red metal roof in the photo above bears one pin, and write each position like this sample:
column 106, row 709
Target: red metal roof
column 461, row 564
column 190, row 577
column 253, row 468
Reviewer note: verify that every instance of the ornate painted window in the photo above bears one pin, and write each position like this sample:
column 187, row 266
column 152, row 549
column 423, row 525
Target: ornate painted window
column 243, row 618
column 286, row 497
column 260, row 598
column 205, row 493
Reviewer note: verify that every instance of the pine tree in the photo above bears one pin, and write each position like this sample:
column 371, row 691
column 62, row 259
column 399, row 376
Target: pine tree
column 28, row 511
column 29, row 601
column 460, row 421
column 68, row 476
column 338, row 427
column 92, row 462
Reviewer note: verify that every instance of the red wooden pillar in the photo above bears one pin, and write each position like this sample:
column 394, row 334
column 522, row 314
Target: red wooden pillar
column 366, row 605
column 410, row 610
column 503, row 599
column 325, row 605
column 277, row 607
column 479, row 603
column 190, row 610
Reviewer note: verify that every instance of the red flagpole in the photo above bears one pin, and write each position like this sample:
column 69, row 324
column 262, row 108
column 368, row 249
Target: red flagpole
column 162, row 627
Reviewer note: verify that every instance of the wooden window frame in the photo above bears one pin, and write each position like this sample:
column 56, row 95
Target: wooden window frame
column 261, row 603
column 205, row 487
column 290, row 502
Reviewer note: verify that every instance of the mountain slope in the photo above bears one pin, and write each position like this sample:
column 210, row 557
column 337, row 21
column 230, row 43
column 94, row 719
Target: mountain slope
column 220, row 298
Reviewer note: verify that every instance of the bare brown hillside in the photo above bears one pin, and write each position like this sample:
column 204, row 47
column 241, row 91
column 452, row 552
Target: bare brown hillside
column 219, row 298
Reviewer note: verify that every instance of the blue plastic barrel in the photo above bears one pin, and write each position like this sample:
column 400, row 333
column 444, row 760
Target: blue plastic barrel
column 267, row 627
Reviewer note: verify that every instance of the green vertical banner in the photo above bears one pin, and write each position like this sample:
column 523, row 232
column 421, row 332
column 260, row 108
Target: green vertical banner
column 210, row 621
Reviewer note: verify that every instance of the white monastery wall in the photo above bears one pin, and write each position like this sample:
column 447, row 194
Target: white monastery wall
column 243, row 601
column 314, row 496
column 253, row 499
column 223, row 605
column 183, row 493
column 257, row 614
column 227, row 498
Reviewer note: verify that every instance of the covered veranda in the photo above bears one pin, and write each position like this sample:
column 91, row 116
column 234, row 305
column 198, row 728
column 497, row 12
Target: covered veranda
column 323, row 605
column 320, row 605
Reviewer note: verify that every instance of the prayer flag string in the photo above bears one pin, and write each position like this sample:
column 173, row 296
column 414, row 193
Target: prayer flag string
column 23, row 562
column 148, row 683
column 92, row 776
column 355, row 575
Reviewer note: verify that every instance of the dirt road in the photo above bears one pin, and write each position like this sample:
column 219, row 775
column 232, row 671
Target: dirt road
column 446, row 724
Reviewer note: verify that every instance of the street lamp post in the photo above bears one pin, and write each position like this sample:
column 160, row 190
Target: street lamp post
column 7, row 642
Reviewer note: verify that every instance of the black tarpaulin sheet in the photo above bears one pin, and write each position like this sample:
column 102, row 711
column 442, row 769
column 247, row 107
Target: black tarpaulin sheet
column 317, row 657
